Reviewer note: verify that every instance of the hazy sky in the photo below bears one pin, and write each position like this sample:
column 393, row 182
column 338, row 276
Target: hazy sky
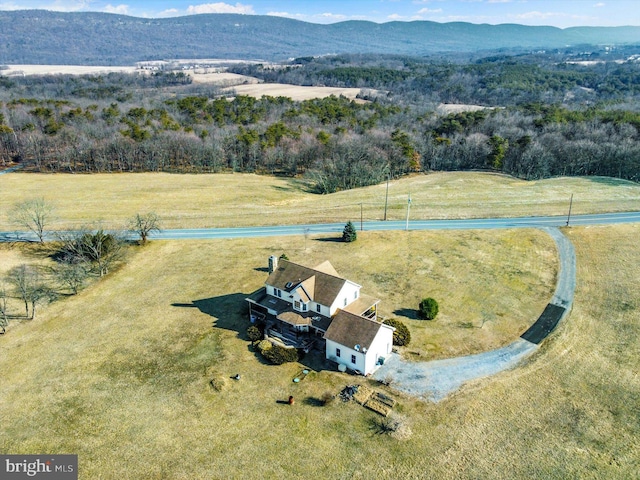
column 559, row 13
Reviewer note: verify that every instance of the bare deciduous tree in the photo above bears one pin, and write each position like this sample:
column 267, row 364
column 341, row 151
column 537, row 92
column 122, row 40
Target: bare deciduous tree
column 71, row 273
column 144, row 224
column 4, row 317
column 34, row 215
column 29, row 287
column 99, row 249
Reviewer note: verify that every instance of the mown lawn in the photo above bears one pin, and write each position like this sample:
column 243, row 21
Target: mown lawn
column 223, row 200
column 119, row 374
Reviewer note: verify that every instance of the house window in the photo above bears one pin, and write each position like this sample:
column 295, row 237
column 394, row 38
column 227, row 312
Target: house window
column 338, row 352
column 345, row 301
column 353, row 359
column 318, row 308
column 355, row 294
column 296, row 304
column 277, row 292
column 304, row 307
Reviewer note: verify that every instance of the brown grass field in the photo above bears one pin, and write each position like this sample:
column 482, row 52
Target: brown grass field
column 224, row 200
column 119, row 374
column 295, row 92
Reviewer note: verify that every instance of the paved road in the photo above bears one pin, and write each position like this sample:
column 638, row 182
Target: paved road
column 9, row 170
column 481, row 223
column 336, row 228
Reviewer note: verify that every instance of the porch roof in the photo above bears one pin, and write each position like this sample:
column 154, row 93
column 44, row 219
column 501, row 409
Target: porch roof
column 293, row 318
column 260, row 297
column 361, row 305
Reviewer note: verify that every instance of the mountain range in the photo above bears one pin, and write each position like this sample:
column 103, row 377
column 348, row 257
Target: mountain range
column 88, row 38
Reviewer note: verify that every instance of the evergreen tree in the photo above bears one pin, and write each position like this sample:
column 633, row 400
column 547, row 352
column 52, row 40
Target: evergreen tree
column 349, row 234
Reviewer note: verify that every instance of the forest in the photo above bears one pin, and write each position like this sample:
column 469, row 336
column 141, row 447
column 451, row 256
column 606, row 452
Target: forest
column 546, row 114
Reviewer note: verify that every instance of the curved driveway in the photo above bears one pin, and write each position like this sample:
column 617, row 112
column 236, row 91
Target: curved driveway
column 436, row 379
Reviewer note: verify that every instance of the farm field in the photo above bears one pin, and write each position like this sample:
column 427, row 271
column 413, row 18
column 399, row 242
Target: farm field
column 224, row 200
column 65, row 70
column 295, row 92
column 119, row 373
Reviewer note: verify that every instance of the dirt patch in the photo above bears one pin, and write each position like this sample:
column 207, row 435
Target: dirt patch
column 222, row 79
column 446, row 108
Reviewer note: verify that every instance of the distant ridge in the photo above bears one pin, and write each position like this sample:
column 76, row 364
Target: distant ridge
column 44, row 37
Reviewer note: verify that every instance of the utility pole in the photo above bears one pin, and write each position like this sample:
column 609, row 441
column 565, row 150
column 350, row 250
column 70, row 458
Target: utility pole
column 386, row 198
column 570, row 205
column 408, row 209
column 360, row 216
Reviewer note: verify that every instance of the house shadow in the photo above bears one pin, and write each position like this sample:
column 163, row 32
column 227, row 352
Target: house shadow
column 262, row 269
column 409, row 313
column 229, row 312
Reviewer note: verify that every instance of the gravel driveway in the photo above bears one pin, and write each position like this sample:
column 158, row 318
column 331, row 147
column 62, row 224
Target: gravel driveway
column 436, row 379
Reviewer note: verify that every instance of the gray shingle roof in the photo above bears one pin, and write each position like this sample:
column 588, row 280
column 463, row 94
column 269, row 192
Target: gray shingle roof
column 288, row 275
column 350, row 330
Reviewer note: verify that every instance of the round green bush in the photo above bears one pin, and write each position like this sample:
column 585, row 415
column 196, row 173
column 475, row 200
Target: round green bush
column 277, row 354
column 401, row 335
column 428, row 309
column 254, row 333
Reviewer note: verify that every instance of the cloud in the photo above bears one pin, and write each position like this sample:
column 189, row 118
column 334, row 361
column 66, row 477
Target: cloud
column 499, row 1
column 221, row 8
column 119, row 9
column 395, row 16
column 169, row 12
column 424, row 11
column 297, row 16
column 331, row 16
column 599, row 5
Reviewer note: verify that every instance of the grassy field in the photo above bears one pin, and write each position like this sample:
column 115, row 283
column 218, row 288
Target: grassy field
column 243, row 199
column 119, row 374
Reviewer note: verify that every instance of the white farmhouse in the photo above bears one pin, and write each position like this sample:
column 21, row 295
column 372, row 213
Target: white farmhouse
column 316, row 308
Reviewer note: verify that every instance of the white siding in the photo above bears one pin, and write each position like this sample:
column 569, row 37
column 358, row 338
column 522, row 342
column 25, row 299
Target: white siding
column 324, row 310
column 345, row 356
column 367, row 362
column 347, row 292
column 380, row 347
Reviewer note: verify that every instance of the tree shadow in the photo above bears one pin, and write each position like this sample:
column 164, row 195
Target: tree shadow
column 329, row 239
column 313, row 402
column 409, row 313
column 614, row 182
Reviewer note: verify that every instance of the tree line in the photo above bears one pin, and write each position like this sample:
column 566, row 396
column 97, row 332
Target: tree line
column 64, row 124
